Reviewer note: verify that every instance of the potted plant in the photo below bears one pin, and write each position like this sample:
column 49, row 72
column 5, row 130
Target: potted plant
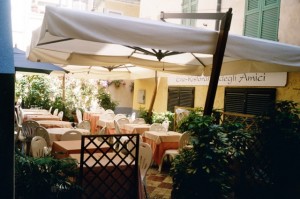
column 205, row 171
column 45, row 177
column 105, row 100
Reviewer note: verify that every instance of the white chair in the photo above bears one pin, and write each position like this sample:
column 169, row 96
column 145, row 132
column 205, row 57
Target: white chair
column 27, row 133
column 50, row 109
column 71, row 135
column 60, row 115
column 100, row 110
column 108, row 116
column 157, row 127
column 122, row 121
column 145, row 159
column 38, row 147
column 42, row 132
column 165, row 124
column 79, row 115
column 86, row 124
column 139, row 121
column 109, row 111
column 55, row 112
column 183, row 141
column 119, row 116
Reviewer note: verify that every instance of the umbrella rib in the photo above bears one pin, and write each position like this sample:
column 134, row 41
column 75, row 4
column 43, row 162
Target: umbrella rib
column 56, row 41
column 199, row 60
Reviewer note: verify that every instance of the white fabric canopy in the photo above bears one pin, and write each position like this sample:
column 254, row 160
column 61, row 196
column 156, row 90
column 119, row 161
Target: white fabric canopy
column 71, row 37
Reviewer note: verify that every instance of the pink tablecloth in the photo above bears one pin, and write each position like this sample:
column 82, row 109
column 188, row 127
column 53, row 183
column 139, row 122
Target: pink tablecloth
column 93, row 118
column 110, row 126
column 160, row 142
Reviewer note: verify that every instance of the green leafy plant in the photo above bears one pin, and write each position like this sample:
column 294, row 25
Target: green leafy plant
column 34, row 90
column 279, row 141
column 205, row 171
column 105, row 100
column 164, row 116
column 45, row 177
column 143, row 113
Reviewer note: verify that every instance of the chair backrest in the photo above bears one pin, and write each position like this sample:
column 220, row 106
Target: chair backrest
column 50, row 109
column 122, row 121
column 145, row 158
column 184, row 139
column 108, row 116
column 119, row 116
column 165, row 124
column 117, row 127
column 60, row 115
column 139, row 121
column 71, row 135
column 156, row 127
column 109, row 111
column 100, row 110
column 42, row 132
column 29, row 128
column 79, row 115
column 86, row 124
column 55, row 112
column 38, row 145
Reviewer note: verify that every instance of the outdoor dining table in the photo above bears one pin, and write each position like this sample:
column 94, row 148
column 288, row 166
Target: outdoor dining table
column 108, row 123
column 55, row 124
column 160, row 141
column 93, row 117
column 41, row 117
column 123, row 174
column 134, row 128
column 56, row 133
column 63, row 149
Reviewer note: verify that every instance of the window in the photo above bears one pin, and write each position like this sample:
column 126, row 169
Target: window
column 180, row 96
column 189, row 6
column 253, row 101
column 262, row 18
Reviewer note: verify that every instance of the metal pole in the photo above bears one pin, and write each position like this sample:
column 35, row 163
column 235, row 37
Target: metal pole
column 7, row 82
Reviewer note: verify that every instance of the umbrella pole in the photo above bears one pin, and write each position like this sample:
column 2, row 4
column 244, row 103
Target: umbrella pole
column 153, row 97
column 217, row 63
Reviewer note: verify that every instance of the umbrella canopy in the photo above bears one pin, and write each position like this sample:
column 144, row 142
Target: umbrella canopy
column 94, row 39
column 24, row 65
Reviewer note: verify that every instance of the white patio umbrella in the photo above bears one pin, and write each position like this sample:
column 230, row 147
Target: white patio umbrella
column 86, row 38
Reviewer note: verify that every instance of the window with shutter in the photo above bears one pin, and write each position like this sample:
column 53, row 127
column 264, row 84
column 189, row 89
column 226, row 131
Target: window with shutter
column 262, row 18
column 180, row 96
column 254, row 101
column 189, row 6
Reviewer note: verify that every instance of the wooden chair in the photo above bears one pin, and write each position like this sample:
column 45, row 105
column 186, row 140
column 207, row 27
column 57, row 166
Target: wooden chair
column 183, row 141
column 109, row 174
column 71, row 135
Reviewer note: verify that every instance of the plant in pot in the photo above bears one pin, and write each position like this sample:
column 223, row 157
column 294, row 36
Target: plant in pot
column 105, row 100
column 45, row 177
column 205, row 171
column 279, row 141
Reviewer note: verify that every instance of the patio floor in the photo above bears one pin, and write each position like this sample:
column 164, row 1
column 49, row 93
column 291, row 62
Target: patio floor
column 159, row 185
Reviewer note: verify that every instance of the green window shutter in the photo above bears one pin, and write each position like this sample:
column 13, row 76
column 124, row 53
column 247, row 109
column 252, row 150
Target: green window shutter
column 252, row 101
column 180, row 96
column 262, row 19
column 189, row 6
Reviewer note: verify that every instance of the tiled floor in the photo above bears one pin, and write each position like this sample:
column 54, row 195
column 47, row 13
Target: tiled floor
column 159, row 185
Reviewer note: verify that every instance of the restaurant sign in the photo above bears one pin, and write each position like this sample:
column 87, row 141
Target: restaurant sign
column 245, row 79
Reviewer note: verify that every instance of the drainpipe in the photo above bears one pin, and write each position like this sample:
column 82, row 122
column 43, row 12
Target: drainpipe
column 219, row 4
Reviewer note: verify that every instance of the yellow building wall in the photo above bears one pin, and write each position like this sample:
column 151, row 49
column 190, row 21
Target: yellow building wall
column 161, row 100
column 128, row 9
column 292, row 89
